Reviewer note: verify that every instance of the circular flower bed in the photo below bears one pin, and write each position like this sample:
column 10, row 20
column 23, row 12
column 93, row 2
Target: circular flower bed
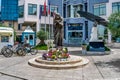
column 60, row 54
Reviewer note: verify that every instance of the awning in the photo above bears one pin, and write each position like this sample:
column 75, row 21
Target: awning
column 93, row 17
column 5, row 33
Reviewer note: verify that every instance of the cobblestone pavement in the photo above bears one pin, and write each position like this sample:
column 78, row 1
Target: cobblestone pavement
column 101, row 67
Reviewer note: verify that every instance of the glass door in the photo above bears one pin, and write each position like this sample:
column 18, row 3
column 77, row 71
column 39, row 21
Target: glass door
column 31, row 39
column 75, row 37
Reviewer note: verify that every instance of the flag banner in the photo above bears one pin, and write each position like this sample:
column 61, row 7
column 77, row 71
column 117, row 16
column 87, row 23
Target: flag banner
column 48, row 7
column 40, row 12
column 45, row 8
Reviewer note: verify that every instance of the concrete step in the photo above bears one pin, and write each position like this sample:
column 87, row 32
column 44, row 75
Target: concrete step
column 71, row 60
column 82, row 63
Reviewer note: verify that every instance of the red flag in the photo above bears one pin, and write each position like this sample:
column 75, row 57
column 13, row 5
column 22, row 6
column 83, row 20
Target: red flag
column 45, row 7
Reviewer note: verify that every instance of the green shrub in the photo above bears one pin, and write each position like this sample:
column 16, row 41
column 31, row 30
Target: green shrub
column 41, row 47
column 107, row 49
column 42, row 35
column 88, row 48
column 100, row 37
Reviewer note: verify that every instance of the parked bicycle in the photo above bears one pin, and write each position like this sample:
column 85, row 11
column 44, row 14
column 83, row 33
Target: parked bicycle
column 9, row 50
column 5, row 51
column 29, row 49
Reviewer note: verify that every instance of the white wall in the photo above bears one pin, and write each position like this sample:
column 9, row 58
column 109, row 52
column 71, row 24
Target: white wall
column 33, row 18
column 109, row 7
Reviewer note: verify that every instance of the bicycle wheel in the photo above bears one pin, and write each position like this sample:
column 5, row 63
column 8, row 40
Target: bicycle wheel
column 21, row 52
column 7, row 52
column 33, row 51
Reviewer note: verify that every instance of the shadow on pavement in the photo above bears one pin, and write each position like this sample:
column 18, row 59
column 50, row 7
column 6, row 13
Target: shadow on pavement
column 111, row 64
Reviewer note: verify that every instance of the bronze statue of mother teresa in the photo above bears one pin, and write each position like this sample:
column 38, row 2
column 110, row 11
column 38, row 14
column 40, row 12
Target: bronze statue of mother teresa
column 58, row 30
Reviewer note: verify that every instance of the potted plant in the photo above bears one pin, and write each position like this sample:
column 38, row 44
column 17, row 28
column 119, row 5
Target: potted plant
column 42, row 35
column 84, row 46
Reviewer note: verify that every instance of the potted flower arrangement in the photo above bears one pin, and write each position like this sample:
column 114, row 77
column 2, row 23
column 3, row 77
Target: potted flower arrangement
column 58, row 54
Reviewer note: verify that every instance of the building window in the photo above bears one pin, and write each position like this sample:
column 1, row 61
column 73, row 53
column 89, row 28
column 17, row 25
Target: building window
column 68, row 11
column 54, row 9
column 32, row 9
column 19, row 26
column 100, row 9
column 4, row 38
column 64, row 30
column 43, row 11
column 64, row 10
column 86, row 7
column 77, row 8
column 86, row 29
column 10, row 24
column 75, row 34
column 0, row 8
column 115, row 7
column 9, row 10
column 21, row 11
column 72, row 10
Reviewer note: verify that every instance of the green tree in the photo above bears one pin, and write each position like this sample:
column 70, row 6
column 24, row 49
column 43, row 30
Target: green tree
column 114, row 24
column 42, row 35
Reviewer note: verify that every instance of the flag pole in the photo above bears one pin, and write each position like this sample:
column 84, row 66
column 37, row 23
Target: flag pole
column 49, row 26
column 40, row 12
column 45, row 22
column 45, row 13
column 49, row 17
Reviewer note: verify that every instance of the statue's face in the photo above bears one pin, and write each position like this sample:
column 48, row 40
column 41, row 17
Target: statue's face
column 57, row 16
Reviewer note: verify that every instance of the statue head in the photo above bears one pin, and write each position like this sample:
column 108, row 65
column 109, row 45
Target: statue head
column 95, row 24
column 57, row 16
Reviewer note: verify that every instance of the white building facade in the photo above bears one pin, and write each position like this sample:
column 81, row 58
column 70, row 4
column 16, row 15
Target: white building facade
column 105, row 9
column 30, row 14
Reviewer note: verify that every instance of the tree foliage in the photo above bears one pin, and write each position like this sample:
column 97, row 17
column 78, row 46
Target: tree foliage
column 114, row 24
column 42, row 35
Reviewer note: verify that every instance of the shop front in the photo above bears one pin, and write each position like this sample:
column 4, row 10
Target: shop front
column 75, row 33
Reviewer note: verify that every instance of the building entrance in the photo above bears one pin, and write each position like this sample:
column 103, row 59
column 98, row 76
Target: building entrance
column 74, row 37
column 75, row 33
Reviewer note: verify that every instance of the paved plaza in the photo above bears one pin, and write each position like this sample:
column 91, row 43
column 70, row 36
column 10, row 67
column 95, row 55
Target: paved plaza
column 101, row 67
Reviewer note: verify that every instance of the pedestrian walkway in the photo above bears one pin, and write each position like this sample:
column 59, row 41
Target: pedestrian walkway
column 100, row 67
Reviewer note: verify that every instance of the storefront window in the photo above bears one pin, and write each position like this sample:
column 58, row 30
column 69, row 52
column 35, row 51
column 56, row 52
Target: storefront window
column 32, row 9
column 75, row 34
column 4, row 38
column 75, row 27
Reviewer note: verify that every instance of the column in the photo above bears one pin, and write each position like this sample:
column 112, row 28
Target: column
column 72, row 11
column 109, row 36
column 66, row 30
column 83, row 37
column 38, row 25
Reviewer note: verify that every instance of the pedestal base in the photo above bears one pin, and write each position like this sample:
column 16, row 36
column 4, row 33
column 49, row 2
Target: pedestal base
column 96, row 46
column 72, row 62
